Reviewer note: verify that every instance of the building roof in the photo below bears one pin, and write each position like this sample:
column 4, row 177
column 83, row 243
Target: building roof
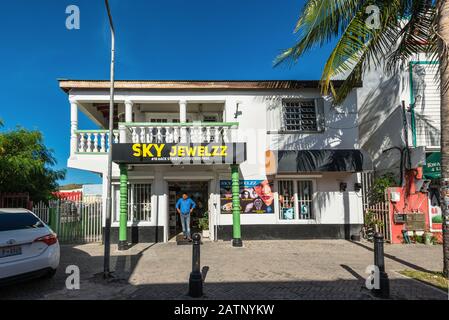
column 66, row 85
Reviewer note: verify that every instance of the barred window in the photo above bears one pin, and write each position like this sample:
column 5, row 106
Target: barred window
column 139, row 202
column 300, row 115
column 295, row 200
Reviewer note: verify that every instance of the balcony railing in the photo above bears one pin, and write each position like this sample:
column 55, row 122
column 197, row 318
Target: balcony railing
column 197, row 132
column 97, row 141
column 94, row 141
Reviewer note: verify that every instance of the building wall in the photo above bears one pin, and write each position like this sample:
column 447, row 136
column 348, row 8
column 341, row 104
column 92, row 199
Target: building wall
column 426, row 93
column 340, row 129
column 381, row 112
column 259, row 118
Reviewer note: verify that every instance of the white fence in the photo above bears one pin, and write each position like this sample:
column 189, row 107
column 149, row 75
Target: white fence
column 73, row 221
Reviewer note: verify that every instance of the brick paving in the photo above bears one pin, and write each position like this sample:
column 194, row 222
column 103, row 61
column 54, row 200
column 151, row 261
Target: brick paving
column 303, row 270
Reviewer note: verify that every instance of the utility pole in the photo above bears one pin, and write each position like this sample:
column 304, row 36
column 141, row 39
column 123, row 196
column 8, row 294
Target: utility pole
column 107, row 230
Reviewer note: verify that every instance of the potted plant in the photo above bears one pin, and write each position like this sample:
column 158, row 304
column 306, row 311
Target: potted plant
column 203, row 224
column 427, row 237
column 437, row 222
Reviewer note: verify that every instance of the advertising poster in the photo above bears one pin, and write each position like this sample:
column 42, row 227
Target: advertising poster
column 256, row 197
column 435, row 212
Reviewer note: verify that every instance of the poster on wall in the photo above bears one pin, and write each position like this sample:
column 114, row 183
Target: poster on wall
column 256, row 197
column 435, row 212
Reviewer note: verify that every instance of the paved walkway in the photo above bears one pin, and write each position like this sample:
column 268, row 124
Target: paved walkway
column 319, row 269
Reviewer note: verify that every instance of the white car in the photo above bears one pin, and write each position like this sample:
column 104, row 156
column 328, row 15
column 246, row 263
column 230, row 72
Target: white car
column 28, row 247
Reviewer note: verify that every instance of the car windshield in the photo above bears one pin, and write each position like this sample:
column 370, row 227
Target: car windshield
column 18, row 221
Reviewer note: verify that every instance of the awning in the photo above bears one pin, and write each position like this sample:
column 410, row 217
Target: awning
column 291, row 161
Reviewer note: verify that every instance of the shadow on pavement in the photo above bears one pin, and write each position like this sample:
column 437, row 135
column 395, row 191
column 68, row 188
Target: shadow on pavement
column 124, row 264
column 394, row 258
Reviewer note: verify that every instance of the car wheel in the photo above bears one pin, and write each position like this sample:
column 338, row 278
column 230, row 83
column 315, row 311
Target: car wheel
column 50, row 274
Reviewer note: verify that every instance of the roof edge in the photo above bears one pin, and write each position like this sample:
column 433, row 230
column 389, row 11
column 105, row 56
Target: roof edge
column 67, row 84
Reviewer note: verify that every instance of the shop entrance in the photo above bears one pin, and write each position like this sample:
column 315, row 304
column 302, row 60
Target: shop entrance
column 198, row 191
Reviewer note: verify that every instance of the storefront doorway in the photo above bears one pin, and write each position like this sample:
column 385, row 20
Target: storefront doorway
column 198, row 191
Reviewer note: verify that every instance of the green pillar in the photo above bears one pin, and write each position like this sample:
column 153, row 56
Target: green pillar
column 236, row 234
column 53, row 219
column 123, row 243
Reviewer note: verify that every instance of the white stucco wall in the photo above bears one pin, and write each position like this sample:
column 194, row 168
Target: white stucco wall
column 259, row 121
column 381, row 115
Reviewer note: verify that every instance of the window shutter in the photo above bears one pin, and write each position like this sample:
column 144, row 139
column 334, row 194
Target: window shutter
column 321, row 120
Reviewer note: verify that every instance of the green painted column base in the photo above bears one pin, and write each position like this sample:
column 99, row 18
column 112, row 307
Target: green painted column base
column 236, row 232
column 122, row 245
column 123, row 242
column 237, row 242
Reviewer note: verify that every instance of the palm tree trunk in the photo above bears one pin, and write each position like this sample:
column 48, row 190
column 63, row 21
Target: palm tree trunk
column 443, row 31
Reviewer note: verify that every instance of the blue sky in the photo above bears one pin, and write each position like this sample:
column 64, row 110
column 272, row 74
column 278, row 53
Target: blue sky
column 170, row 39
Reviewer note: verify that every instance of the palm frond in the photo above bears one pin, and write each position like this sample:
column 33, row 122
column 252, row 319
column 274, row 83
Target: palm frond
column 360, row 46
column 416, row 36
column 320, row 22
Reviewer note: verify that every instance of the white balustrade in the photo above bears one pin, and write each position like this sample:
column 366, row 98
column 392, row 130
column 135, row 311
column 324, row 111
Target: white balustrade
column 142, row 135
column 116, row 137
column 158, row 133
column 92, row 141
column 103, row 142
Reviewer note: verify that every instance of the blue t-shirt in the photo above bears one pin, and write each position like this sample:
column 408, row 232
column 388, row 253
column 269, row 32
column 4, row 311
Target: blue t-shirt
column 185, row 205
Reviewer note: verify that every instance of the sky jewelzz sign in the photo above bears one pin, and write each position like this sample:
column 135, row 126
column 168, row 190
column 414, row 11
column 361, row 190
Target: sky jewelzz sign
column 179, row 153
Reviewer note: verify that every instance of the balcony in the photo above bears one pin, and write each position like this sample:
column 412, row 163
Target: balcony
column 93, row 141
column 97, row 141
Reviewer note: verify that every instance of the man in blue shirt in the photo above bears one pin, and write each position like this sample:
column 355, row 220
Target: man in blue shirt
column 185, row 206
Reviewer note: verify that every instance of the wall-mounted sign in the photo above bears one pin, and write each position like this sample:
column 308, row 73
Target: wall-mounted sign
column 400, row 218
column 415, row 222
column 179, row 153
column 432, row 169
column 256, row 196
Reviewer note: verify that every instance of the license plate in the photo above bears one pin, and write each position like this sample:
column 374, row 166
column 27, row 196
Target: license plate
column 10, row 251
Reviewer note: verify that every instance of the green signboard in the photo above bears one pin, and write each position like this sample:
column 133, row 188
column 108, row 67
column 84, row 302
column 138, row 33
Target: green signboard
column 432, row 169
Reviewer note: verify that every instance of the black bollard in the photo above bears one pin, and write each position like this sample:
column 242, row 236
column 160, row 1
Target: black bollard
column 384, row 283
column 196, row 278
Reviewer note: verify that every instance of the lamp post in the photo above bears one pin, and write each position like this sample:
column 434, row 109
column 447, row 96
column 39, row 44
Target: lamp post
column 107, row 229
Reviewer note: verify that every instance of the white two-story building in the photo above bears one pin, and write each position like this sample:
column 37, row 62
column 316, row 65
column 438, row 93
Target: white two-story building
column 296, row 155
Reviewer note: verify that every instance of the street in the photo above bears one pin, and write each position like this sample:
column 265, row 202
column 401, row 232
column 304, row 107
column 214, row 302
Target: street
column 303, row 270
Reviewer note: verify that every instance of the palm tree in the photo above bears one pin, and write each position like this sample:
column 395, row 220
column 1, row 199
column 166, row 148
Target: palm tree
column 370, row 31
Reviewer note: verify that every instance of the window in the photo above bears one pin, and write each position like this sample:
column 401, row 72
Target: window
column 159, row 120
column 300, row 115
column 210, row 119
column 295, row 200
column 18, row 221
column 139, row 202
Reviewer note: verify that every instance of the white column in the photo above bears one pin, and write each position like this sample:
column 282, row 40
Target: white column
column 128, row 111
column 183, row 119
column 73, row 127
column 123, row 133
column 182, row 111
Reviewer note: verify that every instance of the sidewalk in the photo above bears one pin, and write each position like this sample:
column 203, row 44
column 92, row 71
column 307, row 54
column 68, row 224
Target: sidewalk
column 319, row 269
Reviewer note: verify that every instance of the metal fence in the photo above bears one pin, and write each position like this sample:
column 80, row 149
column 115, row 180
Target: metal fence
column 380, row 210
column 73, row 221
column 15, row 200
column 367, row 182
